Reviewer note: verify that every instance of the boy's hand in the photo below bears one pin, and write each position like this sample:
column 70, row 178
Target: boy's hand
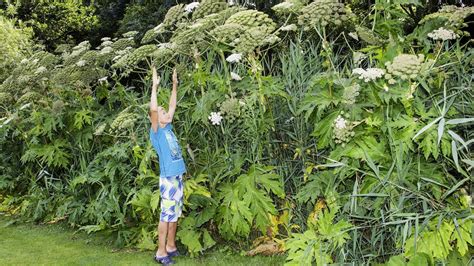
column 156, row 78
column 175, row 76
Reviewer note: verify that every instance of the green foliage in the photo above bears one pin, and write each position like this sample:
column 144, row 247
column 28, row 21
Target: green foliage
column 275, row 139
column 16, row 45
column 248, row 202
column 318, row 243
column 58, row 22
column 438, row 240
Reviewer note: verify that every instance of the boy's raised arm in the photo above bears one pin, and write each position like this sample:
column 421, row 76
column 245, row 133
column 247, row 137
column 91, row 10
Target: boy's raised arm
column 172, row 105
column 153, row 101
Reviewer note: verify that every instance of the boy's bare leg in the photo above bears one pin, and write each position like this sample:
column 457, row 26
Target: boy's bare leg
column 162, row 231
column 171, row 243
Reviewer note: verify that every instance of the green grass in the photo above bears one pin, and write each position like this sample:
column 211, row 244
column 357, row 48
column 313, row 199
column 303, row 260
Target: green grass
column 29, row 244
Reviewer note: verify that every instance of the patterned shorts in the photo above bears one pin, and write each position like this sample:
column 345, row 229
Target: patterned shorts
column 171, row 190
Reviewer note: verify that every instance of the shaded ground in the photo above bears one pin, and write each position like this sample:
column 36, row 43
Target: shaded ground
column 28, row 244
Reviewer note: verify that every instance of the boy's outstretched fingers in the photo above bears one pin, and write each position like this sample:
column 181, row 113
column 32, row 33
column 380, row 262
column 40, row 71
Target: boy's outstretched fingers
column 175, row 75
column 156, row 78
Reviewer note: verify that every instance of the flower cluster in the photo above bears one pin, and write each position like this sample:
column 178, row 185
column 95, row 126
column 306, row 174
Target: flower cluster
column 209, row 7
column 100, row 129
column 249, row 19
column 453, row 14
column 227, row 33
column 342, row 130
column 442, row 34
column 164, row 51
column 370, row 74
column 81, row 63
column 90, row 57
column 288, row 6
column 124, row 120
column 235, row 76
column 136, row 56
column 195, row 36
column 191, row 6
column 122, row 44
column 234, row 58
column 77, row 51
column 150, row 35
column 350, row 94
column 122, row 53
column 323, row 13
column 40, row 70
column 106, row 50
column 230, row 108
column 246, row 30
column 174, row 15
column 130, row 34
column 254, row 38
column 215, row 118
column 404, row 66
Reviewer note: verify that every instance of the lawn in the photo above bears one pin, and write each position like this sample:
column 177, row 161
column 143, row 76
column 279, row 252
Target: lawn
column 29, row 244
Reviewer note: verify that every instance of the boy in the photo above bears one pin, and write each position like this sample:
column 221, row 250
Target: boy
column 172, row 168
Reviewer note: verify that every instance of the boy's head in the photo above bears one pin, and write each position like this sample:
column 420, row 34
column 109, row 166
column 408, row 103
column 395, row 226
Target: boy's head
column 163, row 116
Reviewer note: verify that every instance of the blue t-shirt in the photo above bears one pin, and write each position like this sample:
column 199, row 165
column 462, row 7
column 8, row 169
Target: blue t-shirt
column 168, row 150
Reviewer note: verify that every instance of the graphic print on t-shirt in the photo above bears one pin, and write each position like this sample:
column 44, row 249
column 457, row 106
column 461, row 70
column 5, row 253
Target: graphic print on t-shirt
column 173, row 145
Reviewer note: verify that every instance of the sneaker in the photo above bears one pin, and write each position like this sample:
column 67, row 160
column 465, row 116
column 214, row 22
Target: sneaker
column 164, row 260
column 174, row 253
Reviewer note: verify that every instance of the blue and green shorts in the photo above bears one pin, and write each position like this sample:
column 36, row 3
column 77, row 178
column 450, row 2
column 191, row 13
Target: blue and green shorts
column 171, row 190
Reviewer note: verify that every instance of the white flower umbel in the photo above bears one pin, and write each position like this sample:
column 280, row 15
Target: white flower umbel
column 191, row 6
column 234, row 58
column 81, row 63
column 24, row 61
column 342, row 130
column 291, row 27
column 167, row 45
column 106, row 50
column 105, row 39
column 106, row 43
column 215, row 118
column 235, row 76
column 283, row 5
column 442, row 34
column 340, row 122
column 370, row 74
column 40, row 70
